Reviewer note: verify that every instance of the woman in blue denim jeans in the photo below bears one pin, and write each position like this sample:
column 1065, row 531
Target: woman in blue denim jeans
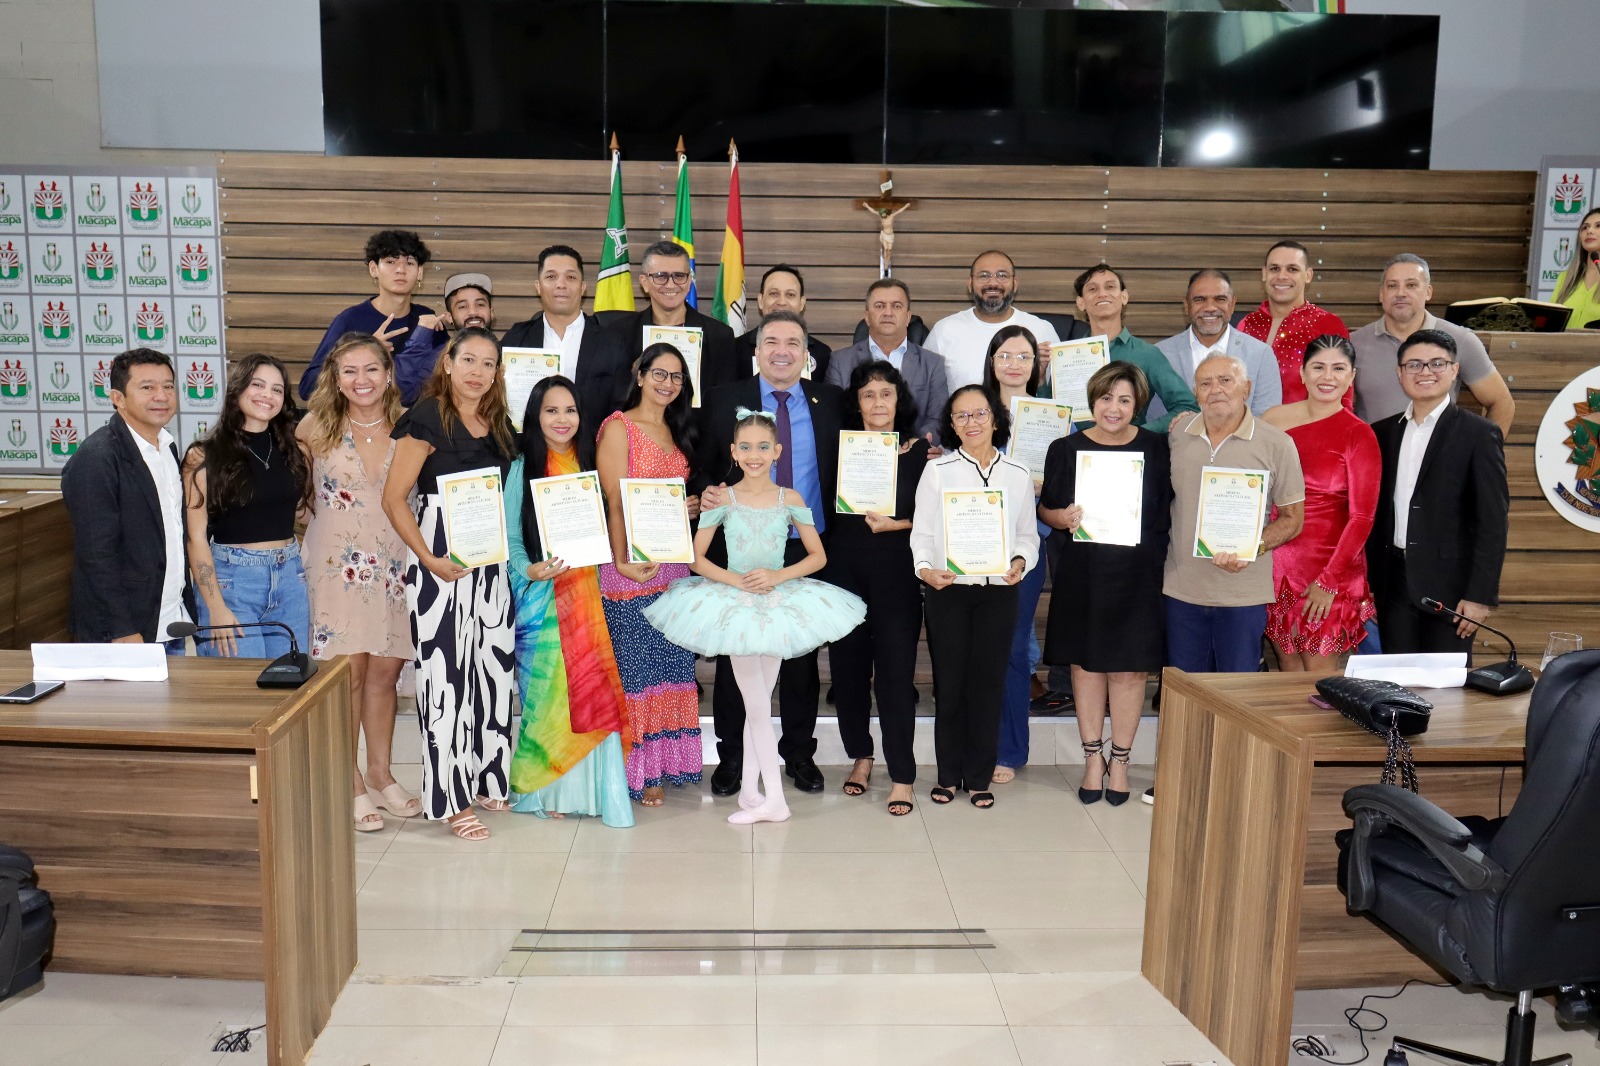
column 243, row 485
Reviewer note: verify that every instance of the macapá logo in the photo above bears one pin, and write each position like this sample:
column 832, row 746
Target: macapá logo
column 49, row 205
column 63, row 438
column 199, row 382
column 10, row 262
column 13, row 379
column 194, row 266
column 100, row 263
column 144, row 203
column 150, row 323
column 56, row 322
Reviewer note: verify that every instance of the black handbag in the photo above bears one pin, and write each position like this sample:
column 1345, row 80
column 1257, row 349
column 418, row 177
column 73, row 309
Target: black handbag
column 1384, row 709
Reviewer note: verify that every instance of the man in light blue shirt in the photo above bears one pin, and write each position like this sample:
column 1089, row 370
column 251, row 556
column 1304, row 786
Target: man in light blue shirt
column 1208, row 305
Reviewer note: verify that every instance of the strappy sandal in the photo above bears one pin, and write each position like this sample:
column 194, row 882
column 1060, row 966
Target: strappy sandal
column 398, row 802
column 1118, row 754
column 466, row 826
column 900, row 808
column 940, row 794
column 1091, row 749
column 858, row 788
column 368, row 820
column 493, row 804
column 983, row 800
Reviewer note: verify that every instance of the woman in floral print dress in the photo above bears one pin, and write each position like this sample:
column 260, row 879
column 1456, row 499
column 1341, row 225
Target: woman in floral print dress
column 353, row 558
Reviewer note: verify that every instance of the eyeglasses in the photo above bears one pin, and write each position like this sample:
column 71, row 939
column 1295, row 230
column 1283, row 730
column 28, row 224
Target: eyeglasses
column 1417, row 366
column 661, row 377
column 992, row 275
column 978, row 418
column 1014, row 357
column 678, row 277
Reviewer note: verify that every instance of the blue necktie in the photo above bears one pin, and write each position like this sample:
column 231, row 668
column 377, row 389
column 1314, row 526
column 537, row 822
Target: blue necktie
column 785, row 441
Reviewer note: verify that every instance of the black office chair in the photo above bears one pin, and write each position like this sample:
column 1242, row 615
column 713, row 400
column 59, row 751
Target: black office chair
column 1511, row 904
column 916, row 330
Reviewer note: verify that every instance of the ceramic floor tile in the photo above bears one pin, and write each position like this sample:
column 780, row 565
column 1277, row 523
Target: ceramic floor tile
column 881, row 961
column 106, row 1045
column 1083, row 999
column 638, row 964
column 432, row 952
column 1031, row 820
column 608, row 1001
column 1092, row 950
column 644, row 890
column 1126, row 828
column 409, row 1045
column 879, row 999
column 676, row 1045
column 459, row 889
column 1418, row 1004
column 844, row 890
column 1049, row 890
column 888, row 1045
column 428, row 1002
column 688, row 822
column 1087, row 1045
column 1488, row 1041
column 365, row 864
column 1137, row 863
column 509, row 832
column 836, row 822
column 108, row 999
column 377, row 843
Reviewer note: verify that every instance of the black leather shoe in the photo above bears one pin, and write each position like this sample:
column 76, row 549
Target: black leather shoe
column 725, row 781
column 806, row 776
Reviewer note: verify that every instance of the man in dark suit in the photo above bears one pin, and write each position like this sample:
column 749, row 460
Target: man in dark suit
column 888, row 315
column 591, row 356
column 782, row 289
column 125, row 498
column 812, row 425
column 1440, row 529
column 664, row 278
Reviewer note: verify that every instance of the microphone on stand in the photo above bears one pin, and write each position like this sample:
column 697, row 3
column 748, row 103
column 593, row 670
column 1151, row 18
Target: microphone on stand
column 290, row 670
column 1499, row 679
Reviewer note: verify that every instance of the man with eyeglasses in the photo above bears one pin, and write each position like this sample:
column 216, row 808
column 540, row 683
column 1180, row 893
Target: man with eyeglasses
column 1443, row 507
column 1102, row 297
column 963, row 338
column 664, row 279
column 591, row 358
column 1404, row 293
column 808, row 416
column 782, row 289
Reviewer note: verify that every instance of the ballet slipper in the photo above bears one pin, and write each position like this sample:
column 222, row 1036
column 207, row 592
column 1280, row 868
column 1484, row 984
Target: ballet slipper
column 750, row 798
column 764, row 813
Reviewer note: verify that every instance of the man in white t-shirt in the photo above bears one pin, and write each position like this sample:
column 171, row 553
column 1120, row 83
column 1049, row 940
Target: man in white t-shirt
column 963, row 338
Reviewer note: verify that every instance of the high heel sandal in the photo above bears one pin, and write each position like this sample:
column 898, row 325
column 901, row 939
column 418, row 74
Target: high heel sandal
column 1118, row 754
column 858, row 788
column 1086, row 796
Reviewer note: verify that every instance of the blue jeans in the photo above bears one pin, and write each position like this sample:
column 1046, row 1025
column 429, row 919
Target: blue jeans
column 260, row 585
column 1013, row 749
column 1206, row 640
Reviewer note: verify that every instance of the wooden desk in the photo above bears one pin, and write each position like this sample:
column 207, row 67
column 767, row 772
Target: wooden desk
column 1242, row 905
column 198, row 828
column 35, row 562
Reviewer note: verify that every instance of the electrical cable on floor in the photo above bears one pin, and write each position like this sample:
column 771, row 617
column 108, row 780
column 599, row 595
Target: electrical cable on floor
column 236, row 1041
column 1314, row 1047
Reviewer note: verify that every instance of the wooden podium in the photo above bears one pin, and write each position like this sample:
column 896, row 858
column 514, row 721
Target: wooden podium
column 196, row 828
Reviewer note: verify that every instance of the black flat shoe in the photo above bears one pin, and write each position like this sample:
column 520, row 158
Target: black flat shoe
column 940, row 794
column 725, row 781
column 982, row 800
column 805, row 775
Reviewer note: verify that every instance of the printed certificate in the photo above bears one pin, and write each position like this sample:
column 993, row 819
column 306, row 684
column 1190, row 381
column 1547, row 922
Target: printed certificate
column 1233, row 511
column 523, row 369
column 571, row 516
column 688, row 340
column 655, row 515
column 869, row 471
column 1072, row 364
column 1110, row 489
column 975, row 543
column 1035, row 425
column 474, row 517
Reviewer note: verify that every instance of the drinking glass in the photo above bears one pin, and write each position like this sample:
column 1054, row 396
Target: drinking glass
column 1560, row 644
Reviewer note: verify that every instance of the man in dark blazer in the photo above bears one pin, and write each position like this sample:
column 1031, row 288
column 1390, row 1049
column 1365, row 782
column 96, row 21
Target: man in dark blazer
column 888, row 315
column 1443, row 507
column 590, row 354
column 125, row 499
column 783, row 288
column 814, row 411
column 664, row 278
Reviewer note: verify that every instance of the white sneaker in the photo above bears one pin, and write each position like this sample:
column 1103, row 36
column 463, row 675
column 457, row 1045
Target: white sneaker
column 1149, row 795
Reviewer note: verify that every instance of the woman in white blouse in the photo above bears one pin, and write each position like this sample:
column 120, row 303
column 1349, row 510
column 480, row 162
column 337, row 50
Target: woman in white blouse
column 970, row 619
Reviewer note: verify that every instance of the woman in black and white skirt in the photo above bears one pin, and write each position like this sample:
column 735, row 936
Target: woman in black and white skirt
column 461, row 618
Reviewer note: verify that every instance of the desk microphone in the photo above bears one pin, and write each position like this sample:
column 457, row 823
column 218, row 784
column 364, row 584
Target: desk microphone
column 1499, row 679
column 290, row 670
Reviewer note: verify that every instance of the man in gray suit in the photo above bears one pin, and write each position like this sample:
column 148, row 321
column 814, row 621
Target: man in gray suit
column 1208, row 306
column 888, row 315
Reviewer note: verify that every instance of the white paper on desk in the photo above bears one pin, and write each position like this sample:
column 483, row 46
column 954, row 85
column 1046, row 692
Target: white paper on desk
column 1422, row 670
column 99, row 662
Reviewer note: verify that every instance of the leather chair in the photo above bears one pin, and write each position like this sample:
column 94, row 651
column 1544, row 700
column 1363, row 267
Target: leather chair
column 1511, row 904
column 916, row 330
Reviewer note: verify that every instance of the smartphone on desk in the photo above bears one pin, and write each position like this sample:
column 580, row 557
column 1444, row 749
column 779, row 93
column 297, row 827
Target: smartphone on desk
column 1317, row 701
column 32, row 692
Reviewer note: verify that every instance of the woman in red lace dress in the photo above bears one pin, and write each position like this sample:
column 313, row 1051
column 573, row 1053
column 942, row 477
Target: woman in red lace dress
column 1323, row 601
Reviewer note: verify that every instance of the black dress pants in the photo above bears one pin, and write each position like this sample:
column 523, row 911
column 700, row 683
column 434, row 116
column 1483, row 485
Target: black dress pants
column 798, row 690
column 1404, row 627
column 969, row 639
column 878, row 657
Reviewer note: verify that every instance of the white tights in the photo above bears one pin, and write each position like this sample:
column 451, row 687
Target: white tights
column 756, row 676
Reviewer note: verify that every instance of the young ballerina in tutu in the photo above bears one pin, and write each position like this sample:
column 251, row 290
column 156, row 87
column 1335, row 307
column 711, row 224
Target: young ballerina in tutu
column 757, row 612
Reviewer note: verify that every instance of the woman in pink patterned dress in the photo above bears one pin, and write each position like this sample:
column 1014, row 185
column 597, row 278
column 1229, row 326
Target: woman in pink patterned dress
column 354, row 560
column 651, row 436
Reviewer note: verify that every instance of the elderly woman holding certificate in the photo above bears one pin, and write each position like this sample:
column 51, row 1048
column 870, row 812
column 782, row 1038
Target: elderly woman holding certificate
column 1014, row 370
column 872, row 558
column 453, row 448
column 1110, row 487
column 569, row 756
column 973, row 537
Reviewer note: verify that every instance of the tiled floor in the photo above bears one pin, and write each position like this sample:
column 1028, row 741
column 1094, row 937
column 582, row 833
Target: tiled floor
column 1054, row 887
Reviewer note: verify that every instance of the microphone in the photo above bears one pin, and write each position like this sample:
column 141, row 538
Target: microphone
column 290, row 670
column 1499, row 679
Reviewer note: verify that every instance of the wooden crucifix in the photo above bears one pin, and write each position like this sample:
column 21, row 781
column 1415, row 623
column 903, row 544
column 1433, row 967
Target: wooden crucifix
column 885, row 207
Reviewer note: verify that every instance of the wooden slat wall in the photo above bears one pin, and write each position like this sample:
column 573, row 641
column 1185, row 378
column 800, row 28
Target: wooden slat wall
column 294, row 226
